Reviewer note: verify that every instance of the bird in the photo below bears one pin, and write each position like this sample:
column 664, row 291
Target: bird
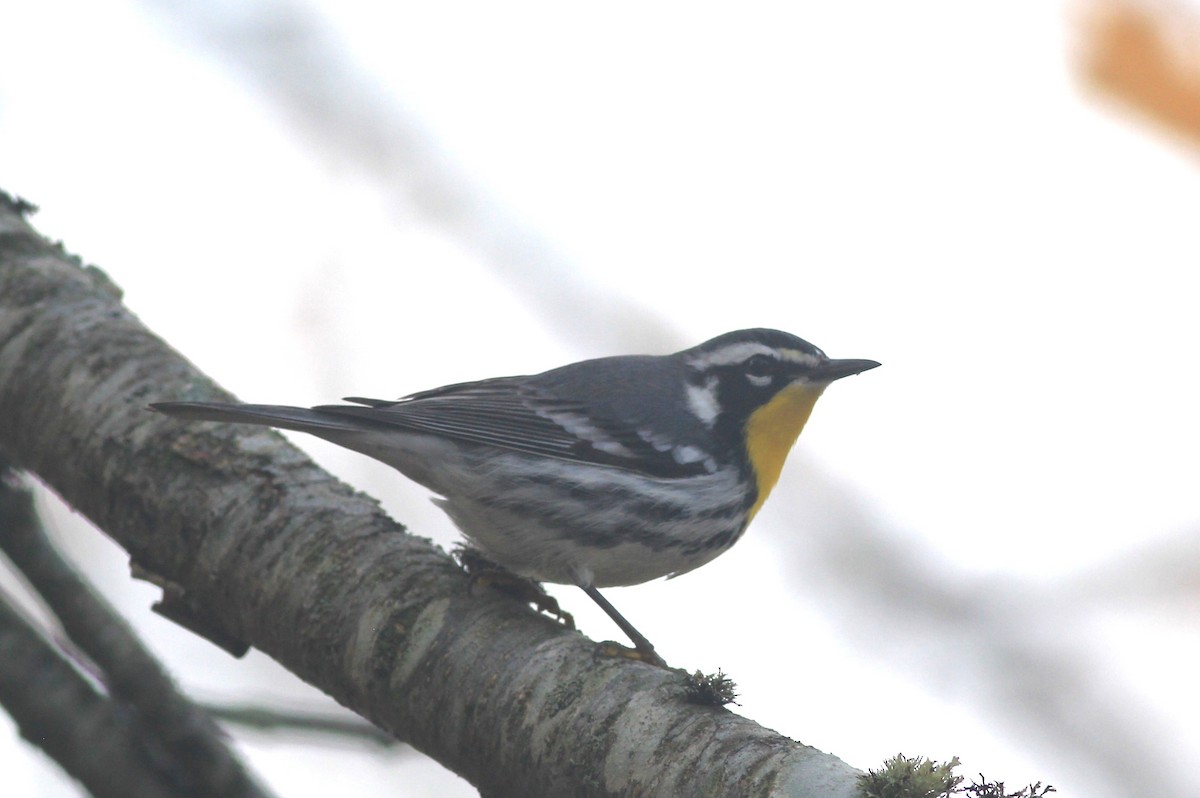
column 606, row 472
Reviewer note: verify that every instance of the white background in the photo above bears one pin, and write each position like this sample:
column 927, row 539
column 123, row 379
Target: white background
column 982, row 549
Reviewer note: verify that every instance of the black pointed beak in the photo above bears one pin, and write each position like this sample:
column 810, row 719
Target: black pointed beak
column 836, row 369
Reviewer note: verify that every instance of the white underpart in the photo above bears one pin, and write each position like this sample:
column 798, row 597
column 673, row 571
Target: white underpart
column 557, row 548
column 702, row 401
column 531, row 547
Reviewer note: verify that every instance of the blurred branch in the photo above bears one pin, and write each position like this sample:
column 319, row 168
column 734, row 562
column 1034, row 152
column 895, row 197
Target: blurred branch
column 1023, row 649
column 143, row 738
column 273, row 551
column 57, row 710
column 288, row 721
column 1164, row 571
column 1133, row 52
column 285, row 52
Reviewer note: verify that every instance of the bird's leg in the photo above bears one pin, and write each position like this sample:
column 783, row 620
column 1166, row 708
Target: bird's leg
column 642, row 650
column 484, row 573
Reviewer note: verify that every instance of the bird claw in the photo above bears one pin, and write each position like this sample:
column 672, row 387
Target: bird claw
column 485, row 574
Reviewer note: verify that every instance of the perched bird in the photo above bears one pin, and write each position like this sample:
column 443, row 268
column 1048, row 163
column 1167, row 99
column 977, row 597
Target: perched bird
column 612, row 471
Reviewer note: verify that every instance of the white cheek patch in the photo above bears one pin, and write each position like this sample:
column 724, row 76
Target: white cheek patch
column 702, row 401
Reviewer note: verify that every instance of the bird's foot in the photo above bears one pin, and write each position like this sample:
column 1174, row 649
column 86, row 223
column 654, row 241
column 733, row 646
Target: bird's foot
column 486, row 574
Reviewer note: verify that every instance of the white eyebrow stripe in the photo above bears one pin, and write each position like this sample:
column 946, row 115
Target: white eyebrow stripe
column 728, row 355
column 741, row 352
column 799, row 356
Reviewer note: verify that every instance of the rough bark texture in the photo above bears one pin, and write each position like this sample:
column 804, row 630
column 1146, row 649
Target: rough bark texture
column 257, row 544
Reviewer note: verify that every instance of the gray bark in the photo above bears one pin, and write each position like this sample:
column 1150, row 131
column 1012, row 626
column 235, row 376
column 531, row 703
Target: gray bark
column 255, row 545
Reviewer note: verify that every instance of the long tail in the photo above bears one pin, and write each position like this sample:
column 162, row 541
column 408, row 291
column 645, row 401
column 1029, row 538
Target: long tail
column 282, row 416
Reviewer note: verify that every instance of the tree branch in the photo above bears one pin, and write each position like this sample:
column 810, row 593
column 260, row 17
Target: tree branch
column 183, row 738
column 274, row 719
column 271, row 550
column 96, row 740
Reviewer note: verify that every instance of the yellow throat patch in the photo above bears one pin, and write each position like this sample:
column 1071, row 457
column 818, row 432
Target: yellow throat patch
column 770, row 432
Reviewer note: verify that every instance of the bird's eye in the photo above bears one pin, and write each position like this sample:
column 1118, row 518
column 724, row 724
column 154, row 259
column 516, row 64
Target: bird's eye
column 760, row 366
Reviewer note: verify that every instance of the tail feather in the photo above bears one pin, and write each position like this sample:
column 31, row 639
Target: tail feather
column 282, row 416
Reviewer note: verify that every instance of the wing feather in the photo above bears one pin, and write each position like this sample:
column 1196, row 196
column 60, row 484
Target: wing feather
column 506, row 413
